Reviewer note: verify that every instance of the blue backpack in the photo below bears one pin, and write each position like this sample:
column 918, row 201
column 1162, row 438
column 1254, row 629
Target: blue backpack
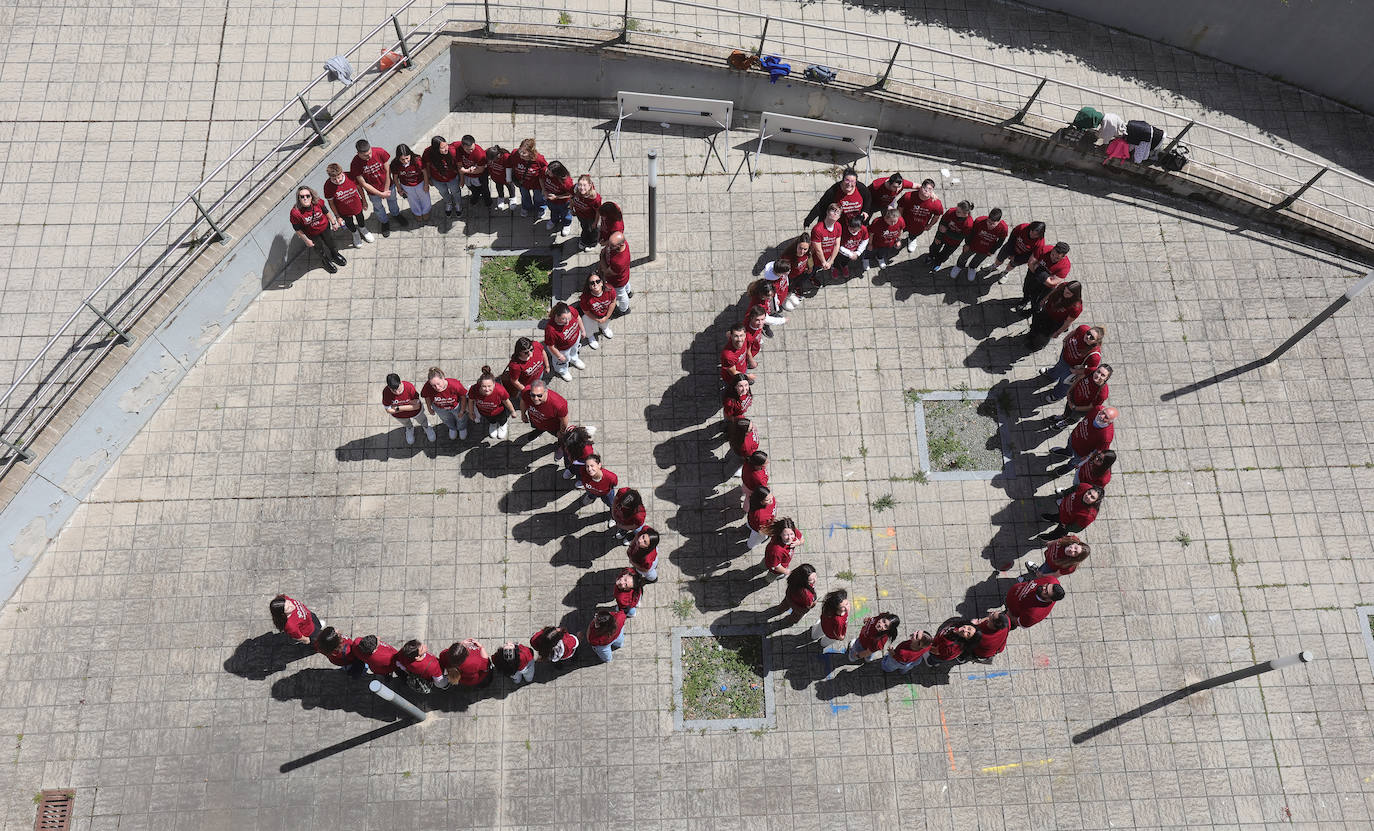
column 819, row 74
column 775, row 67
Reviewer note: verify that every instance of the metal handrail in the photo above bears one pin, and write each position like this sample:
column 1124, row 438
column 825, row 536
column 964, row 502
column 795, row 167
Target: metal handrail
column 120, row 315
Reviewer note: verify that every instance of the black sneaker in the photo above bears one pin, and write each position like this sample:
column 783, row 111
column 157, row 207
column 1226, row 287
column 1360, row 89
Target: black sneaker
column 418, row 684
column 768, row 330
column 330, row 267
column 386, row 229
column 448, row 209
column 629, row 292
column 339, row 258
column 405, row 223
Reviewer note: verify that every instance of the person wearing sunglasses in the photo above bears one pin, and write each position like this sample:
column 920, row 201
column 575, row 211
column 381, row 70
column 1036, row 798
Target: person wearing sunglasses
column 314, row 224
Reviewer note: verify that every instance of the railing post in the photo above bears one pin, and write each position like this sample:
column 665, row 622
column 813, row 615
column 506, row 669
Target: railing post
column 890, row 62
column 24, row 455
column 405, row 51
column 653, row 205
column 123, row 336
column 763, row 37
column 1293, row 197
column 1025, row 108
column 486, row 15
column 220, row 236
column 319, row 134
column 625, row 24
column 1176, row 139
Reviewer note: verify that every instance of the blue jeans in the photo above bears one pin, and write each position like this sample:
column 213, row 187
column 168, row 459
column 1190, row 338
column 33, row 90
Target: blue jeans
column 452, row 192
column 379, row 206
column 1062, row 374
column 560, row 213
column 531, row 200
column 608, row 498
column 631, row 612
column 454, row 419
column 891, row 664
column 604, row 652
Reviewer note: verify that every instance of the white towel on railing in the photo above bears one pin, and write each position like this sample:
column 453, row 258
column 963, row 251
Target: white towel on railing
column 339, row 69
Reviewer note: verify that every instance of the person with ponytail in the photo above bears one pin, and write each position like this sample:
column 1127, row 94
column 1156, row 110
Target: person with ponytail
column 443, row 168
column 294, row 619
column 516, row 661
column 753, row 475
column 830, row 631
column 737, row 398
column 743, row 442
column 643, row 553
column 574, row 447
column 606, row 633
column 876, row 631
column 628, row 514
column 801, row 589
column 489, row 402
column 762, row 506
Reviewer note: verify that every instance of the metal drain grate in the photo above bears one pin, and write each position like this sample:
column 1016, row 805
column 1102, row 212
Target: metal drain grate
column 54, row 810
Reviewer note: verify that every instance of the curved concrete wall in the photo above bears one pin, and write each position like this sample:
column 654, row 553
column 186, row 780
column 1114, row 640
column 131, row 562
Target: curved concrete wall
column 1321, row 45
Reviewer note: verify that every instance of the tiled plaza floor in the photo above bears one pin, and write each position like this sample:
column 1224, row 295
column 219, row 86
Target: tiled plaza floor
column 139, row 672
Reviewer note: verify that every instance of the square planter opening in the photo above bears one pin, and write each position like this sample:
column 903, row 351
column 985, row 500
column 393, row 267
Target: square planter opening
column 720, row 679
column 510, row 289
column 960, row 435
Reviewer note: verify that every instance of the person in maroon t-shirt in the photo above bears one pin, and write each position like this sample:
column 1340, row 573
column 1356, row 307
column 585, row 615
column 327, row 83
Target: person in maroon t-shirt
column 409, row 173
column 743, row 443
column 825, row 246
column 953, row 229
column 447, row 398
column 1056, row 313
column 606, row 632
column 1062, row 556
column 853, row 243
column 920, row 210
column 609, row 220
column 563, row 340
column 762, row 507
column 849, row 193
column 586, row 206
column 643, row 553
column 831, row 631
column 444, row 168
column 885, row 192
column 346, row 198
column 904, row 656
column 543, row 409
column 736, row 399
column 1030, row 601
column 628, row 513
column 1087, row 395
column 992, row 636
column 401, row 401
column 293, row 618
column 369, row 168
column 984, row 237
column 597, row 306
column 1096, row 469
column 779, row 274
column 784, row 540
column 526, row 363
column 1020, row 245
column 554, row 644
column 467, row 664
column 598, row 483
column 488, row 401
column 629, row 590
column 380, row 657
column 873, row 637
column 953, row 641
column 735, row 359
column 1095, row 432
column 472, row 161
column 515, row 660
column 340, row 651
column 1076, row 511
column 574, row 446
column 498, row 168
column 801, row 590
column 1047, row 268
column 753, row 475
column 422, row 669
column 615, row 268
column 527, row 169
column 314, row 224
column 1080, row 355
column 885, row 237
column 557, row 185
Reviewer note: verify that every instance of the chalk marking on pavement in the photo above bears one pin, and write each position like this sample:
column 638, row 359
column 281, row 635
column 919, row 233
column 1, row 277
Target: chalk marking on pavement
column 1004, row 768
column 949, row 748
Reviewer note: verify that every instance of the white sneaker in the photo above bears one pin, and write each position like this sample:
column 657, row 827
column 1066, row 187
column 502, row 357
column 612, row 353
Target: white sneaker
column 972, row 275
column 429, row 432
column 367, row 235
column 882, row 263
column 590, row 428
column 410, row 435
column 791, row 302
column 563, row 373
column 607, row 333
column 452, row 434
column 502, row 205
column 491, row 430
column 566, row 232
column 357, row 240
column 911, row 247
column 593, row 343
column 577, row 362
column 502, row 431
column 567, row 474
column 737, row 472
column 463, row 433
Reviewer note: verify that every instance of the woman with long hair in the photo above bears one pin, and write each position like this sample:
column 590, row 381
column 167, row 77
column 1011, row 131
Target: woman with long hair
column 554, row 644
column 833, row 626
column 563, row 339
column 291, row 617
column 606, row 632
column 516, row 661
column 557, row 185
column 527, row 169
column 596, row 304
column 628, row 513
column 643, row 553
column 801, row 589
column 586, row 206
column 762, row 507
column 408, row 171
column 876, row 631
column 443, row 169
column 314, row 225
column 610, row 220
column 498, row 168
column 466, row 664
column 1060, row 308
column 736, row 399
column 784, row 540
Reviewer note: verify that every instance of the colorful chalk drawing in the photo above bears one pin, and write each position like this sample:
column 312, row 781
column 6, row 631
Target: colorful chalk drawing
column 912, row 696
column 988, row 675
column 999, row 769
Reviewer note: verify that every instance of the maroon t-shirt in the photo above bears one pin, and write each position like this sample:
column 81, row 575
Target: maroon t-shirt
column 372, row 170
column 443, row 167
column 312, row 221
column 1022, row 243
column 990, row 643
column 607, row 637
column 1054, row 553
column 1086, row 393
column 735, row 408
column 595, row 305
column 986, row 235
column 919, row 214
column 299, row 624
column 382, row 661
column 953, row 230
column 528, row 172
column 620, row 515
column 885, row 235
column 1024, row 606
column 825, row 240
column 615, row 267
column 737, row 359
column 426, row 666
column 490, row 404
column 348, row 194
column 409, row 174
column 835, row 626
column 598, row 487
column 527, row 371
column 547, row 415
column 563, row 337
column 880, row 196
column 907, row 652
column 870, row 639
column 1074, row 512
column 407, row 395
column 1100, row 478
column 754, row 477
column 1087, row 436
column 449, row 398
